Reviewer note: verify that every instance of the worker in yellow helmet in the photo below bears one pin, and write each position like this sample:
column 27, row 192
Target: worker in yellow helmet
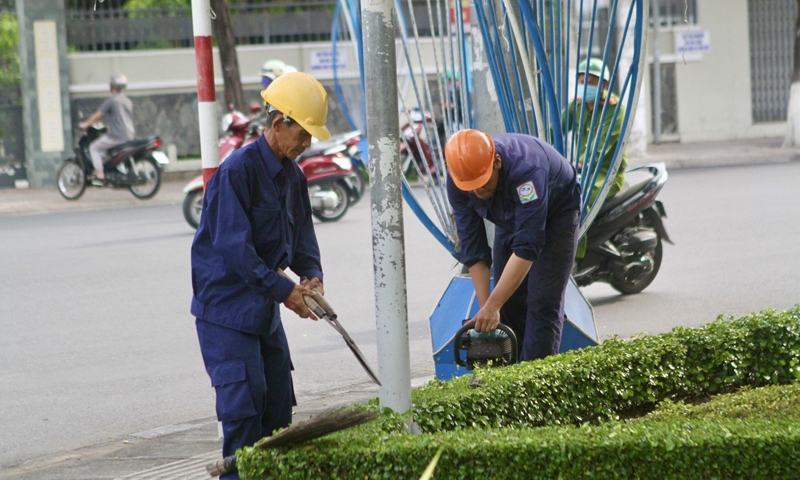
column 256, row 220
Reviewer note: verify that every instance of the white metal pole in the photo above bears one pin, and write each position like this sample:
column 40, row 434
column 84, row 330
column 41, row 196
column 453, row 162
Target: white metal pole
column 656, row 74
column 206, row 95
column 388, row 251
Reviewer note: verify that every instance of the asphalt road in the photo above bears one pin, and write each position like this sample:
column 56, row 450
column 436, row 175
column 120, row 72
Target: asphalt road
column 736, row 251
column 96, row 340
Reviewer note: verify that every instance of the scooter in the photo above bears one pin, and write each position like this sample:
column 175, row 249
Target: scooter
column 414, row 148
column 347, row 145
column 240, row 131
column 332, row 181
column 135, row 165
column 624, row 246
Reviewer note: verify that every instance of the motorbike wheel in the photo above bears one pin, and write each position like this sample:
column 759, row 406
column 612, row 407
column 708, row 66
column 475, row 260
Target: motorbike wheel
column 71, row 180
column 361, row 185
column 629, row 287
column 148, row 170
column 193, row 207
column 337, row 212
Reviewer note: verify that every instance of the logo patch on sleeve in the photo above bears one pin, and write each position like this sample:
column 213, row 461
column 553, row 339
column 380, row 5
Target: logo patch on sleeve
column 527, row 192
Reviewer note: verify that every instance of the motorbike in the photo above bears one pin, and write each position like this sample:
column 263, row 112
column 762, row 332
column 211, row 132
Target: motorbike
column 135, row 165
column 347, row 145
column 334, row 183
column 624, row 246
column 240, row 131
column 413, row 147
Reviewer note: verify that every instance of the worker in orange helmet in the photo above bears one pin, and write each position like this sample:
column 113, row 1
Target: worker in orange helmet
column 531, row 194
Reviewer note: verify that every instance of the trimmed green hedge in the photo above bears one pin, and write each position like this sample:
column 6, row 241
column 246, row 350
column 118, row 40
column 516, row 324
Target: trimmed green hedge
column 766, row 403
column 677, row 441
column 620, row 379
column 568, row 395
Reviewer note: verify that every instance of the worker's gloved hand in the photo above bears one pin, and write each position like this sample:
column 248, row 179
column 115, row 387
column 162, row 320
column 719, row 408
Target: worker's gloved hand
column 296, row 304
column 487, row 319
column 312, row 284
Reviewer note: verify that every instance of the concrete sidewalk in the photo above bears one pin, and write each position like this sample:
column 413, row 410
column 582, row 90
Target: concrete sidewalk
column 674, row 155
column 172, row 452
column 717, row 154
column 15, row 201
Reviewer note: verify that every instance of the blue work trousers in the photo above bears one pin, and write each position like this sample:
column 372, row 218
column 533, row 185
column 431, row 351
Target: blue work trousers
column 535, row 311
column 253, row 381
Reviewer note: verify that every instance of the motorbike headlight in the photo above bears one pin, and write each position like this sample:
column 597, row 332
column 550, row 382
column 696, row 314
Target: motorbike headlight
column 343, row 162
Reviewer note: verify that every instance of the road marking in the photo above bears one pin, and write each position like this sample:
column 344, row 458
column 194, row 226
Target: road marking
column 166, row 430
column 192, row 468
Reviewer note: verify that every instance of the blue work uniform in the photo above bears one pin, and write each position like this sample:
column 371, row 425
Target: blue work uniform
column 536, row 213
column 256, row 219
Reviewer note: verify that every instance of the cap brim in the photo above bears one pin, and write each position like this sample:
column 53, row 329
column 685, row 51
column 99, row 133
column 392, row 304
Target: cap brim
column 475, row 184
column 321, row 133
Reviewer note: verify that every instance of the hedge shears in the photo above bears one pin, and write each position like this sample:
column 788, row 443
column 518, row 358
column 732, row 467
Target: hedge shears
column 322, row 309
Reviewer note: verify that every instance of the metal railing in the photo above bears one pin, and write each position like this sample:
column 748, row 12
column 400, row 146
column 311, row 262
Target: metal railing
column 113, row 27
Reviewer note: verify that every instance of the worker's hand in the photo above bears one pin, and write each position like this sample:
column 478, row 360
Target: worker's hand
column 296, row 304
column 83, row 125
column 487, row 319
column 312, row 284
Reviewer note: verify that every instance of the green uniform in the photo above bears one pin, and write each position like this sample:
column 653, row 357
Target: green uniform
column 606, row 155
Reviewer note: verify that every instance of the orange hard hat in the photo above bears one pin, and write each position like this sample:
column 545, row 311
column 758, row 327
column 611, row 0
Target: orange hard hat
column 470, row 156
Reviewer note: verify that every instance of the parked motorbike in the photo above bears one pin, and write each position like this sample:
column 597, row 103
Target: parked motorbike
column 624, row 246
column 347, row 145
column 240, row 130
column 414, row 147
column 333, row 182
column 135, row 165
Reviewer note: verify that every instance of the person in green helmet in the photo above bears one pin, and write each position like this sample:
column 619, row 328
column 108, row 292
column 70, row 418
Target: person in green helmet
column 593, row 92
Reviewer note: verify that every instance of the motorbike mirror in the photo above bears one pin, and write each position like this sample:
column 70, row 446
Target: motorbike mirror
column 255, row 107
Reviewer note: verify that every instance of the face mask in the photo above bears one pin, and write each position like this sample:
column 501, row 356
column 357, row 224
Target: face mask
column 589, row 95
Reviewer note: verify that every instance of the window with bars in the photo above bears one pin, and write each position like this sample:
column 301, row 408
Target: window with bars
column 674, row 12
column 771, row 57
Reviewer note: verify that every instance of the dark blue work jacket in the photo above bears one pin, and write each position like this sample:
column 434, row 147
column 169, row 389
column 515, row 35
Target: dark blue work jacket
column 256, row 219
column 535, row 183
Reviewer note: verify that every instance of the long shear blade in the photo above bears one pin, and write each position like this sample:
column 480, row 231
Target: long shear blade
column 353, row 347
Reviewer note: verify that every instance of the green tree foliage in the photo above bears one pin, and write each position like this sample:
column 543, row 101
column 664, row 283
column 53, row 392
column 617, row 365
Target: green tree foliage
column 9, row 52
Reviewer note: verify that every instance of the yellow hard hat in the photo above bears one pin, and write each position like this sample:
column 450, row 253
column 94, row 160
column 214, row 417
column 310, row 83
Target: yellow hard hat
column 302, row 98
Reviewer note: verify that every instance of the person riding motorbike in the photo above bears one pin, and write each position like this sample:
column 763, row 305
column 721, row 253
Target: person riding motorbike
column 256, row 220
column 451, row 106
column 592, row 87
column 117, row 109
column 273, row 69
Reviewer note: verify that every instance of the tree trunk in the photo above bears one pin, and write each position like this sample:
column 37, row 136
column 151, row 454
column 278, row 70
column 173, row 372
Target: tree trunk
column 227, row 54
column 793, row 113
